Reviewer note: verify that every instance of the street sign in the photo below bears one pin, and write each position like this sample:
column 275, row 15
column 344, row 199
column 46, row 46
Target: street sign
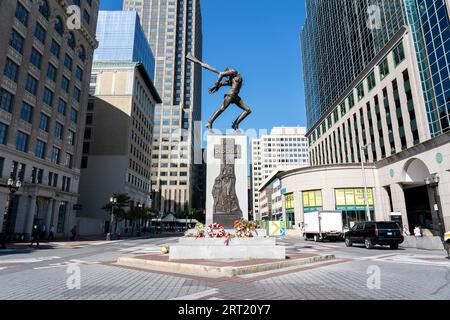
column 77, row 207
column 276, row 228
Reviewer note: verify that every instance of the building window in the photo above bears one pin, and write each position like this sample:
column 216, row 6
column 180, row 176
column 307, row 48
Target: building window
column 65, row 84
column 43, row 122
column 351, row 100
column 82, row 53
column 22, row 14
column 71, row 137
column 59, row 128
column 68, row 160
column 51, row 72
column 16, row 42
column 48, row 97
column 55, row 49
column 22, row 141
column 87, row 133
column 79, row 73
column 11, row 70
column 62, row 106
column 3, row 133
column 74, row 115
column 371, row 83
column 71, row 41
column 44, row 9
column 76, row 94
column 399, row 54
column 55, row 155
column 384, row 68
column 6, row 100
column 31, row 85
column 40, row 33
column 26, row 113
column 40, row 149
column 84, row 162
column 59, row 26
column 68, row 62
column 36, row 58
column 61, row 217
column 360, row 91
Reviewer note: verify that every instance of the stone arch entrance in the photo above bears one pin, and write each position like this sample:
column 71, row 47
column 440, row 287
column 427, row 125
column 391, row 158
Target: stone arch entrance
column 418, row 196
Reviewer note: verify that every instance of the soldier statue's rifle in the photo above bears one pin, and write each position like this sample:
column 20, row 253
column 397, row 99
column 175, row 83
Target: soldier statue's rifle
column 204, row 65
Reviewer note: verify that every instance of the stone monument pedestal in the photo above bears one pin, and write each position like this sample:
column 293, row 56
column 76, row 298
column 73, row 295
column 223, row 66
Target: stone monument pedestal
column 215, row 249
column 227, row 174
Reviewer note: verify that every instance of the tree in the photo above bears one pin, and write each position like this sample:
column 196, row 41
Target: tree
column 120, row 214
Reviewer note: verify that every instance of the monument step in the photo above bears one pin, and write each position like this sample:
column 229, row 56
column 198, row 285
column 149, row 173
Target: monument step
column 225, row 268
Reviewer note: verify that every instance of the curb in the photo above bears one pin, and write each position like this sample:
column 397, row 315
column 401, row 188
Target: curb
column 223, row 271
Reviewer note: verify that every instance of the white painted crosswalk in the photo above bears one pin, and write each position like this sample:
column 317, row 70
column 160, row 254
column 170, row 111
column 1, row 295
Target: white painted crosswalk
column 67, row 263
column 142, row 250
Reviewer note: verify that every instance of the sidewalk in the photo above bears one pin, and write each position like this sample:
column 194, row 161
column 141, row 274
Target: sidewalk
column 82, row 242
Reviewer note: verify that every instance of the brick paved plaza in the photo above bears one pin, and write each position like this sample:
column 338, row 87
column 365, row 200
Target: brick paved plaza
column 42, row 274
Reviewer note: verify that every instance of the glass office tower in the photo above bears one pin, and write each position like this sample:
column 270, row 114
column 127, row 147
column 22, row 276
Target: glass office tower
column 429, row 21
column 174, row 29
column 338, row 43
column 121, row 38
column 341, row 37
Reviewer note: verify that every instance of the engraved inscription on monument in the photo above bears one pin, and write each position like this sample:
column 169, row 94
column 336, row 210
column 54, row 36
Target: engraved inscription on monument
column 226, row 202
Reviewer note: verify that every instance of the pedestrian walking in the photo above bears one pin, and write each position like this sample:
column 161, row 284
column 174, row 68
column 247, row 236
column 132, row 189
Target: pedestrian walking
column 74, row 233
column 418, row 232
column 406, row 231
column 51, row 233
column 35, row 234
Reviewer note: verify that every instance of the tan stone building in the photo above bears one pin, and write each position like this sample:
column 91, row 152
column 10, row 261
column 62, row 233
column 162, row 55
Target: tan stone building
column 45, row 58
column 174, row 29
column 117, row 138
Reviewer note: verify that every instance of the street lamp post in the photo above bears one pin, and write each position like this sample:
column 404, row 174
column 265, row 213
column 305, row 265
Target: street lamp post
column 366, row 195
column 113, row 201
column 433, row 183
column 141, row 207
column 13, row 187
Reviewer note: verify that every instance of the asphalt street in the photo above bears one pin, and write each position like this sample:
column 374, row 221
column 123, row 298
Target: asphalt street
column 86, row 271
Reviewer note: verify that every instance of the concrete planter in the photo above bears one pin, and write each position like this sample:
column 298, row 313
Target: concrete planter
column 425, row 243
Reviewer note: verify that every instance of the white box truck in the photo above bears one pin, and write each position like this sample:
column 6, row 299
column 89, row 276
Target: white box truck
column 323, row 225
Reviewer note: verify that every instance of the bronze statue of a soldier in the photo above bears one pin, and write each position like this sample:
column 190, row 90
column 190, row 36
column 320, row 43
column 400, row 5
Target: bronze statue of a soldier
column 231, row 97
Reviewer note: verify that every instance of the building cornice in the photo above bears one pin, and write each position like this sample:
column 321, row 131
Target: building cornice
column 409, row 153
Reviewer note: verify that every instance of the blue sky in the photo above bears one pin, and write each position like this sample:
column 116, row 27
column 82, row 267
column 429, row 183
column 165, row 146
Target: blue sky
column 261, row 39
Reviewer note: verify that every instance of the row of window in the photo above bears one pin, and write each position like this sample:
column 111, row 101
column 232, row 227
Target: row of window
column 22, row 144
column 18, row 169
column 338, row 147
column 341, row 110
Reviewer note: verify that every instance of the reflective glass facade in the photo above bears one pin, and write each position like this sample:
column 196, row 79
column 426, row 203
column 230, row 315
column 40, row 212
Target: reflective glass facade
column 121, row 38
column 339, row 39
column 429, row 20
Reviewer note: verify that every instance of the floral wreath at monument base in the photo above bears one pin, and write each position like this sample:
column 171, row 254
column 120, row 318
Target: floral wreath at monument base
column 215, row 230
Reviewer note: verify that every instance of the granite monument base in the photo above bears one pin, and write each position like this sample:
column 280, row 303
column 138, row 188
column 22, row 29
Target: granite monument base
column 237, row 249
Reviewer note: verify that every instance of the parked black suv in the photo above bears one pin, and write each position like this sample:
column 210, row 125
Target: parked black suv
column 375, row 233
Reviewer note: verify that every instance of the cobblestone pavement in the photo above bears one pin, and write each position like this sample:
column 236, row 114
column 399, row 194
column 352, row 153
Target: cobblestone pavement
column 45, row 274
